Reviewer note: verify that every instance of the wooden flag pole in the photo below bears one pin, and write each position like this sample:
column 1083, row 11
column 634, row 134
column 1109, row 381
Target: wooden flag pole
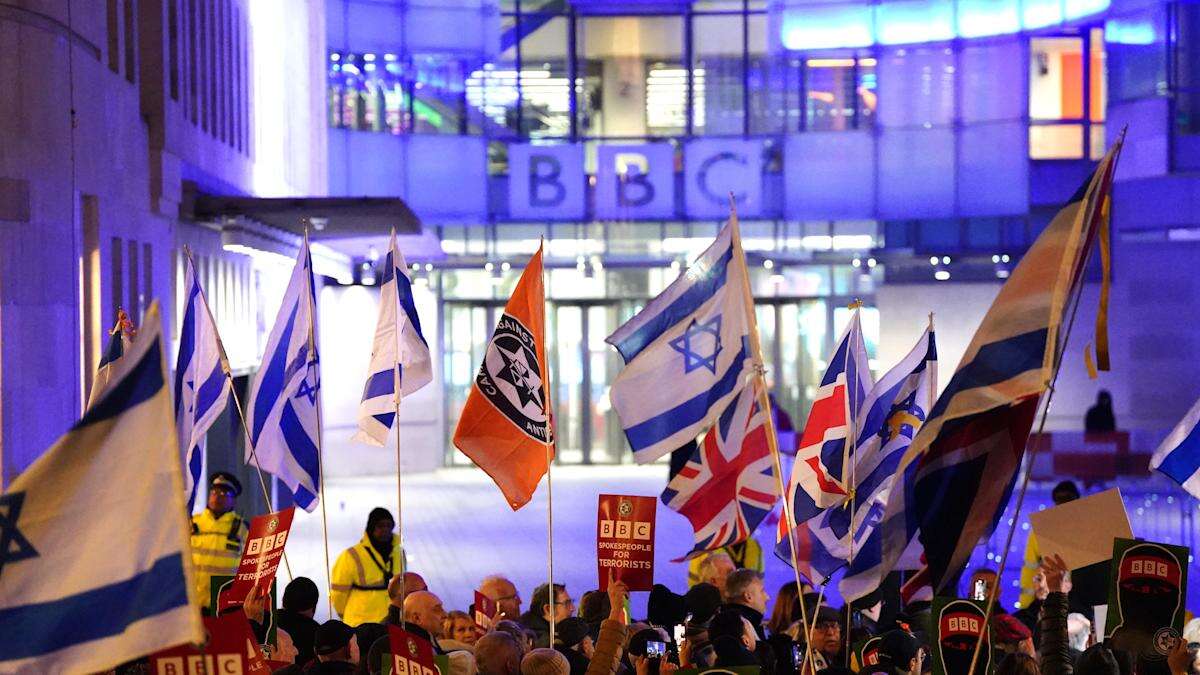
column 764, row 402
column 398, row 379
column 1059, row 351
column 850, row 457
column 237, row 402
column 312, row 349
column 549, row 406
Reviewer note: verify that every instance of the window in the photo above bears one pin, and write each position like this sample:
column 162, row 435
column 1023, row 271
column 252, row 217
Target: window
column 839, row 93
column 1067, row 96
column 1187, row 68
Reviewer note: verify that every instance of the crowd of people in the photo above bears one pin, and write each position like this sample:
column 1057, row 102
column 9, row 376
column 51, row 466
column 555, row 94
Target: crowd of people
column 725, row 619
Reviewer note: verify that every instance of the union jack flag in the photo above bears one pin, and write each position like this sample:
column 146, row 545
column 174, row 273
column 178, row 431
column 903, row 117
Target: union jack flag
column 817, row 482
column 728, row 485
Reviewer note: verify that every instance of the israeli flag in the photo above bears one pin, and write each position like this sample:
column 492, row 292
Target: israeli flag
column 283, row 411
column 686, row 354
column 201, row 380
column 893, row 413
column 95, row 562
column 400, row 354
column 1179, row 454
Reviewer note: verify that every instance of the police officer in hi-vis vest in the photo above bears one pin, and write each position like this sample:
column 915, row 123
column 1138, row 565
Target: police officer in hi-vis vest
column 359, row 584
column 217, row 534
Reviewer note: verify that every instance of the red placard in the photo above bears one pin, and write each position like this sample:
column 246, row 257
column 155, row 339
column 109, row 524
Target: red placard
column 411, row 655
column 229, row 650
column 485, row 612
column 625, row 540
column 261, row 557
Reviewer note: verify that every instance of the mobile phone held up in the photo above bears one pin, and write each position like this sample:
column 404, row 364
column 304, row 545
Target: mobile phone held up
column 656, row 650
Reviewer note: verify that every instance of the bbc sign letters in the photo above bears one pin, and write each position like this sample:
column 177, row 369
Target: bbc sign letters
column 547, row 182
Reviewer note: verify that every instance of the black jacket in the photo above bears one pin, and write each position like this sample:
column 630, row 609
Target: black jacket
column 1054, row 652
column 303, row 631
column 752, row 615
column 538, row 625
column 331, row 668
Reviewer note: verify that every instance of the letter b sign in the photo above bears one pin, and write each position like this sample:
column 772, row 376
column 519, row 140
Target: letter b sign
column 545, row 181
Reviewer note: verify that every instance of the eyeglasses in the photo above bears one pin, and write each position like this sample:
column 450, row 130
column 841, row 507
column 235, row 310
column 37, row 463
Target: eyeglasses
column 568, row 602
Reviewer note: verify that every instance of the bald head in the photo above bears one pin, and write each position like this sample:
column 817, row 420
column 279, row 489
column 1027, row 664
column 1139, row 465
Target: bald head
column 498, row 653
column 425, row 610
column 401, row 585
column 504, row 594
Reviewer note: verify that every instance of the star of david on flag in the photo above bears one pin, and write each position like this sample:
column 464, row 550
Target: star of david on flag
column 14, row 547
column 693, row 337
column 284, row 398
column 201, row 384
column 700, row 345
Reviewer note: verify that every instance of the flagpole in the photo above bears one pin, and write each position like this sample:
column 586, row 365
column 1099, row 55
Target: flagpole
column 549, row 406
column 1059, row 351
column 398, row 379
column 851, row 457
column 237, row 403
column 312, row 350
column 764, row 402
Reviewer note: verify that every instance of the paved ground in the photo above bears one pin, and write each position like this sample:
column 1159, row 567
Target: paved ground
column 458, row 529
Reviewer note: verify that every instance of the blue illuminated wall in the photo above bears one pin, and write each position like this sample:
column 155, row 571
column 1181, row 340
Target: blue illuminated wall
column 796, row 25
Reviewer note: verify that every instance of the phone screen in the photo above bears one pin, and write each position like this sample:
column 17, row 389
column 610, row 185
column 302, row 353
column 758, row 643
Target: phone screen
column 797, row 656
column 679, row 633
column 655, row 650
column 980, row 590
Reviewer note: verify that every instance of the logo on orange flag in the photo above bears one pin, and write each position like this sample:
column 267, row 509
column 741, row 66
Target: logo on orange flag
column 505, row 427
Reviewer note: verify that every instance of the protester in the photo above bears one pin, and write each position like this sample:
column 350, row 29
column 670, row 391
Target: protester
column 368, row 634
column 523, row 637
column 714, row 568
column 403, row 584
column 982, row 584
column 733, row 638
column 1066, row 491
column 900, row 653
column 827, row 642
column 745, row 593
column 500, row 590
column 363, row 572
column 1010, row 636
column 703, row 600
column 1017, row 663
column 285, row 648
column 1054, row 651
column 218, row 533
column 572, row 640
column 1079, row 634
column 786, row 612
column 498, row 653
column 424, row 617
column 299, row 604
column 544, row 661
column 665, row 609
column 460, row 629
column 541, row 607
column 593, row 608
column 336, row 647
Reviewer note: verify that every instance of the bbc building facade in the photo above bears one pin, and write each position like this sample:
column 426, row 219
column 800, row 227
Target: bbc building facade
column 901, row 152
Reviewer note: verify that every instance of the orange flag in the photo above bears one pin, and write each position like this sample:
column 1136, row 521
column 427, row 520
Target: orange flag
column 504, row 427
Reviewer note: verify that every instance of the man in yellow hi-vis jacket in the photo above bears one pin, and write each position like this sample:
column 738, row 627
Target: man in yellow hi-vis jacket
column 218, row 534
column 359, row 583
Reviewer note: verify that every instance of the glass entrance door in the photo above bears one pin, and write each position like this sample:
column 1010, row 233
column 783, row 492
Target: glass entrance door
column 467, row 328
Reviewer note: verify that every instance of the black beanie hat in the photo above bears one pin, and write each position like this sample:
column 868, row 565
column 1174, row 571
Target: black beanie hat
column 377, row 514
column 665, row 608
column 571, row 632
column 702, row 601
column 331, row 636
column 300, row 594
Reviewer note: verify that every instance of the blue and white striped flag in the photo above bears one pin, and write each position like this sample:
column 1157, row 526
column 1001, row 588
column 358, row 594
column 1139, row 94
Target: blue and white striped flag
column 1179, row 454
column 686, row 354
column 891, row 418
column 78, row 598
column 400, row 353
column 283, row 410
column 201, row 383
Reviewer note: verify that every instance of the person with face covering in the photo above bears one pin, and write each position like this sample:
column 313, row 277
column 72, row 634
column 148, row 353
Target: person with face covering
column 359, row 584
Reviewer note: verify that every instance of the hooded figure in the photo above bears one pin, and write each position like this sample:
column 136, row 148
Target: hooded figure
column 1149, row 595
column 359, row 584
column 960, row 624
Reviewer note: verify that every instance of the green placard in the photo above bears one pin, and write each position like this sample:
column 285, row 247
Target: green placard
column 958, row 624
column 1146, row 589
column 440, row 661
